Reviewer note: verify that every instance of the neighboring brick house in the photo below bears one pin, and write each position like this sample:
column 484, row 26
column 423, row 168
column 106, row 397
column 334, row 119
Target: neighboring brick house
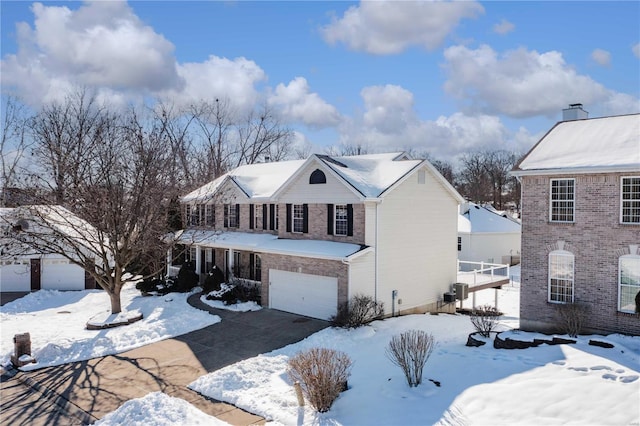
column 581, row 224
column 312, row 233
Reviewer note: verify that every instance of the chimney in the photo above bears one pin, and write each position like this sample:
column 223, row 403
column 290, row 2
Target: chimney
column 574, row 112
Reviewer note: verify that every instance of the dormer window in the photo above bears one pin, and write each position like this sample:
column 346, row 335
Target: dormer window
column 317, row 177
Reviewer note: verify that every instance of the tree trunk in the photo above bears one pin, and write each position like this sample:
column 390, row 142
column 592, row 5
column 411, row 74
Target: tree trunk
column 116, row 307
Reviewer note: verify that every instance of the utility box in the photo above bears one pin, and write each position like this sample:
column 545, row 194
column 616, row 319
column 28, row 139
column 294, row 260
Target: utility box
column 461, row 290
column 449, row 297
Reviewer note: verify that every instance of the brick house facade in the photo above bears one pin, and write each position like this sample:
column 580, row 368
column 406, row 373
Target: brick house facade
column 581, row 225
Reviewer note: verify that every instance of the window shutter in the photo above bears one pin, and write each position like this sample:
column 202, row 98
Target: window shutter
column 272, row 217
column 350, row 220
column 226, row 215
column 251, row 215
column 288, row 217
column 305, row 218
column 264, row 216
column 252, row 263
column 237, row 215
column 329, row 219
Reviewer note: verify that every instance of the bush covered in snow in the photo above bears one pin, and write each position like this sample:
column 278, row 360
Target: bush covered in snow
column 322, row 374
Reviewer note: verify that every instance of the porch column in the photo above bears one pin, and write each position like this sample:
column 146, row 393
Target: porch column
column 198, row 259
column 496, row 297
column 169, row 260
column 230, row 264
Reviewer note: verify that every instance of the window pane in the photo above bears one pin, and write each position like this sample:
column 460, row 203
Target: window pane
column 562, row 200
column 341, row 220
column 561, row 266
column 629, row 284
column 298, row 218
column 631, row 200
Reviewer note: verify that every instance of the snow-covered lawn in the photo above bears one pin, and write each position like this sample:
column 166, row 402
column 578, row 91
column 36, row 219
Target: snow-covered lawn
column 56, row 323
column 578, row 384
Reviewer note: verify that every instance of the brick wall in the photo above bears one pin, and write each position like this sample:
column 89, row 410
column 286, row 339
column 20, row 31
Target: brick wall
column 596, row 239
column 328, row 268
column 318, row 225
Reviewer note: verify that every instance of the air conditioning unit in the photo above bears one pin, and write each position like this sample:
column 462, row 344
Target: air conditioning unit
column 449, row 297
column 461, row 291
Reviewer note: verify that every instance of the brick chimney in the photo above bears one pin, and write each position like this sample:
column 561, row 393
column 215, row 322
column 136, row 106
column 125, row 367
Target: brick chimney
column 574, row 112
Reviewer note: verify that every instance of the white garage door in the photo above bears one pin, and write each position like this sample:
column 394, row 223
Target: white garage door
column 59, row 274
column 309, row 295
column 15, row 275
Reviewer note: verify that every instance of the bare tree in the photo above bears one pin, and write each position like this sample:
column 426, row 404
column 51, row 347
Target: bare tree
column 498, row 164
column 262, row 135
column 474, row 183
column 119, row 222
column 410, row 351
column 13, row 144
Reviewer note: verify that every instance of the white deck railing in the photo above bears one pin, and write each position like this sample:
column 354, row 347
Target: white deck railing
column 476, row 273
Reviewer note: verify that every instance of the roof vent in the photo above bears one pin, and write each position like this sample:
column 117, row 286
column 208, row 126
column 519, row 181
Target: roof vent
column 574, row 112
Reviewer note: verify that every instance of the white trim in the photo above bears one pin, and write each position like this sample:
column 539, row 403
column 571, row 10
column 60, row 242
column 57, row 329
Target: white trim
column 335, row 220
column 573, row 200
column 626, row 256
column 621, row 200
column 293, row 218
column 562, row 253
column 576, row 171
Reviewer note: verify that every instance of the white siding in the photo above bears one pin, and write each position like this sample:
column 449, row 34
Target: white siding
column 334, row 191
column 489, row 247
column 370, row 223
column 362, row 275
column 417, row 254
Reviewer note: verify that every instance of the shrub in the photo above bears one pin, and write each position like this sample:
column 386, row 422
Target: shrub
column 358, row 311
column 231, row 294
column 410, row 351
column 213, row 281
column 187, row 278
column 571, row 317
column 485, row 319
column 322, row 374
column 149, row 285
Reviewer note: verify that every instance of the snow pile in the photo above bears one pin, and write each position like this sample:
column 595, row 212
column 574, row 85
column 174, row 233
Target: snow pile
column 578, row 383
column 56, row 322
column 163, row 409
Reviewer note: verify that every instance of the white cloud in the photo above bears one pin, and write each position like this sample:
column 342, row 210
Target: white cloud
column 99, row 44
column 503, row 27
column 389, row 121
column 601, row 57
column 381, row 27
column 636, row 50
column 297, row 103
column 217, row 77
column 519, row 83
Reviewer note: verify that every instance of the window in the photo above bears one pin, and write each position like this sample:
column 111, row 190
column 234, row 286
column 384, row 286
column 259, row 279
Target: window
column 209, row 215
column 562, row 200
column 317, row 177
column 341, row 220
column 257, row 216
column 561, row 264
column 277, row 210
column 628, row 282
column 459, row 243
column 236, row 264
column 630, row 205
column 231, row 213
column 298, row 218
column 187, row 214
column 255, row 267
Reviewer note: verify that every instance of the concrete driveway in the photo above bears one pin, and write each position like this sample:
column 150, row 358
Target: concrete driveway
column 88, row 390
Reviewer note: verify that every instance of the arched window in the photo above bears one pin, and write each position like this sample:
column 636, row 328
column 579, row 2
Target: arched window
column 317, row 177
column 561, row 272
column 628, row 282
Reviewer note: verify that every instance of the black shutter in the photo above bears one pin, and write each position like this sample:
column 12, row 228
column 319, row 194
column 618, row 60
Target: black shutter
column 272, row 217
column 237, row 215
column 288, row 217
column 226, row 215
column 264, row 216
column 251, row 265
column 329, row 219
column 350, row 220
column 305, row 218
column 251, row 215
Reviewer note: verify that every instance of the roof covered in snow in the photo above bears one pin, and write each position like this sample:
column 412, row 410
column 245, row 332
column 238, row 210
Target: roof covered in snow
column 269, row 243
column 479, row 219
column 370, row 175
column 607, row 143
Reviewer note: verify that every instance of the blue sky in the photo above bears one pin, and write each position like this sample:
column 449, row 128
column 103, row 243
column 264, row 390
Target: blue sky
column 445, row 78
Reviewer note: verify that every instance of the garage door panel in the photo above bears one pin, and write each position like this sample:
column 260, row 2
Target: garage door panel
column 304, row 294
column 59, row 274
column 15, row 275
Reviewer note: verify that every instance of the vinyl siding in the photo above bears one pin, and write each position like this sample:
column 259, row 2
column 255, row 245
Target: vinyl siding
column 334, row 191
column 362, row 275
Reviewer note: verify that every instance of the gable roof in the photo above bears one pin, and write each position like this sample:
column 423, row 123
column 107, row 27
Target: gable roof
column 586, row 146
column 369, row 175
column 480, row 219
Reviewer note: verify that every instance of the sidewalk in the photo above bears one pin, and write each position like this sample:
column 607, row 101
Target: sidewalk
column 98, row 386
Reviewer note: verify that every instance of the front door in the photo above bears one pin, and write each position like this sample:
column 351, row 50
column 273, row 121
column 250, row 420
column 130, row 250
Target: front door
column 35, row 274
